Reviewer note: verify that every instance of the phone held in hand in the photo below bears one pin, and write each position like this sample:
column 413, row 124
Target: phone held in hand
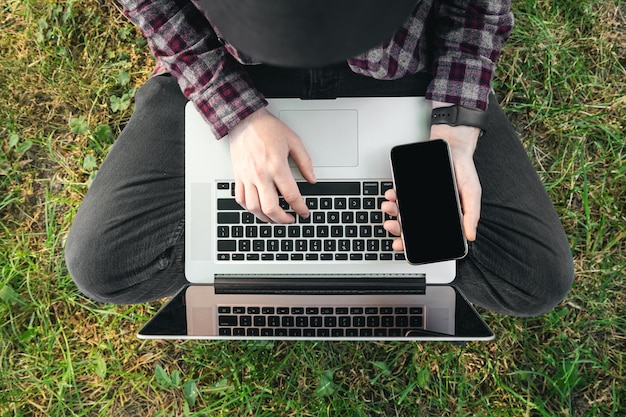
column 428, row 202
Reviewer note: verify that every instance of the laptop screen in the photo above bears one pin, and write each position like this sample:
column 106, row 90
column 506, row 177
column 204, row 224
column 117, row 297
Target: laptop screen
column 465, row 324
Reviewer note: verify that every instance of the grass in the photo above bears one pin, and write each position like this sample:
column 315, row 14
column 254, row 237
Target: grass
column 68, row 72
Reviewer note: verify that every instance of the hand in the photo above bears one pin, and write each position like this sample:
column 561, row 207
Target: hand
column 463, row 141
column 260, row 146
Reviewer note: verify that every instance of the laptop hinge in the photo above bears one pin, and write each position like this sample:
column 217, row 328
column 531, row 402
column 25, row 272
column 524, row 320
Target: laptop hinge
column 320, row 285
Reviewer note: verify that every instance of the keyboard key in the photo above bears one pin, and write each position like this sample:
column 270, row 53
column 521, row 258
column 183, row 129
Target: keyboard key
column 365, row 231
column 228, row 204
column 370, row 188
column 369, row 203
column 322, row 231
column 416, row 321
column 384, row 186
column 228, row 218
column 333, row 217
column 244, row 245
column 227, row 320
column 362, row 217
column 226, row 245
column 347, row 217
column 319, row 217
column 354, row 203
column 340, row 203
column 330, row 188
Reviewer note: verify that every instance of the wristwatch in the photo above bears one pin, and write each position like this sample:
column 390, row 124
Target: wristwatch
column 459, row 116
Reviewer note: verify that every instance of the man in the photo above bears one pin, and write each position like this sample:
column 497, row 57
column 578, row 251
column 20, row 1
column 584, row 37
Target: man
column 126, row 244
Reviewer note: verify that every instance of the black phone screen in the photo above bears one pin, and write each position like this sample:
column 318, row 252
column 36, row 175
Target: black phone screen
column 428, row 202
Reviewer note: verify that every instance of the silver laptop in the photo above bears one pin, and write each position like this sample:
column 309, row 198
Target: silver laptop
column 331, row 276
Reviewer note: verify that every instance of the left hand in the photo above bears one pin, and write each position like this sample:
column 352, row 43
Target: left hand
column 463, row 141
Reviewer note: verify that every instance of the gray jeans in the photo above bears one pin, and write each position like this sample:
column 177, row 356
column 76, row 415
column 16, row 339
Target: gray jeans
column 126, row 244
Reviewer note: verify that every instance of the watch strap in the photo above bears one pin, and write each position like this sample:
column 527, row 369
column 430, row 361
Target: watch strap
column 459, row 116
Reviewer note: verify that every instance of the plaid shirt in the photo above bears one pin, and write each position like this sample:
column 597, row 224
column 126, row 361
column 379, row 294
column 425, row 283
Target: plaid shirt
column 457, row 41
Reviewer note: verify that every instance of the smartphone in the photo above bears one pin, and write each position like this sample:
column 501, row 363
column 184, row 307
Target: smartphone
column 428, row 202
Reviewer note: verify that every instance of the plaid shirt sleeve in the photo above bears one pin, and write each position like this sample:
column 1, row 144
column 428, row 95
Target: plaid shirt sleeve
column 182, row 39
column 468, row 38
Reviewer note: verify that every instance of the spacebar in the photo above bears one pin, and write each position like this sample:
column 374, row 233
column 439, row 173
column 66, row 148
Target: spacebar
column 330, row 188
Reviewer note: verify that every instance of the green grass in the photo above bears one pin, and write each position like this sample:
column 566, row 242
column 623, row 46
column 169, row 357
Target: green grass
column 68, row 72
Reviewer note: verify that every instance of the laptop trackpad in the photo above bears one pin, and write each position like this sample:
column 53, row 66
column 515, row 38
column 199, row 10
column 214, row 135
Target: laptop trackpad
column 330, row 136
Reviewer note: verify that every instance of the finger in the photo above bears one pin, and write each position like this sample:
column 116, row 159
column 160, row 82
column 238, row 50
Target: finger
column 270, row 207
column 288, row 188
column 391, row 195
column 393, row 227
column 253, row 203
column 397, row 245
column 391, row 208
column 240, row 194
column 302, row 159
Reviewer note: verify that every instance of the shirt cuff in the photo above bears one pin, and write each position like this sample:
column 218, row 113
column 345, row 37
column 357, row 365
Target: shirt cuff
column 227, row 103
column 467, row 84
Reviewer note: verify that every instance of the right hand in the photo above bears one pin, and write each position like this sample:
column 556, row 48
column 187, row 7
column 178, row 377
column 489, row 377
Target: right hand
column 260, row 147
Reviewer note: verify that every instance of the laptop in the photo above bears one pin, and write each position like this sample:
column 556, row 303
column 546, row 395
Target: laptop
column 332, row 276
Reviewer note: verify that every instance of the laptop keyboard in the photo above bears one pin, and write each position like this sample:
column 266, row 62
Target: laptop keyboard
column 345, row 224
column 361, row 321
